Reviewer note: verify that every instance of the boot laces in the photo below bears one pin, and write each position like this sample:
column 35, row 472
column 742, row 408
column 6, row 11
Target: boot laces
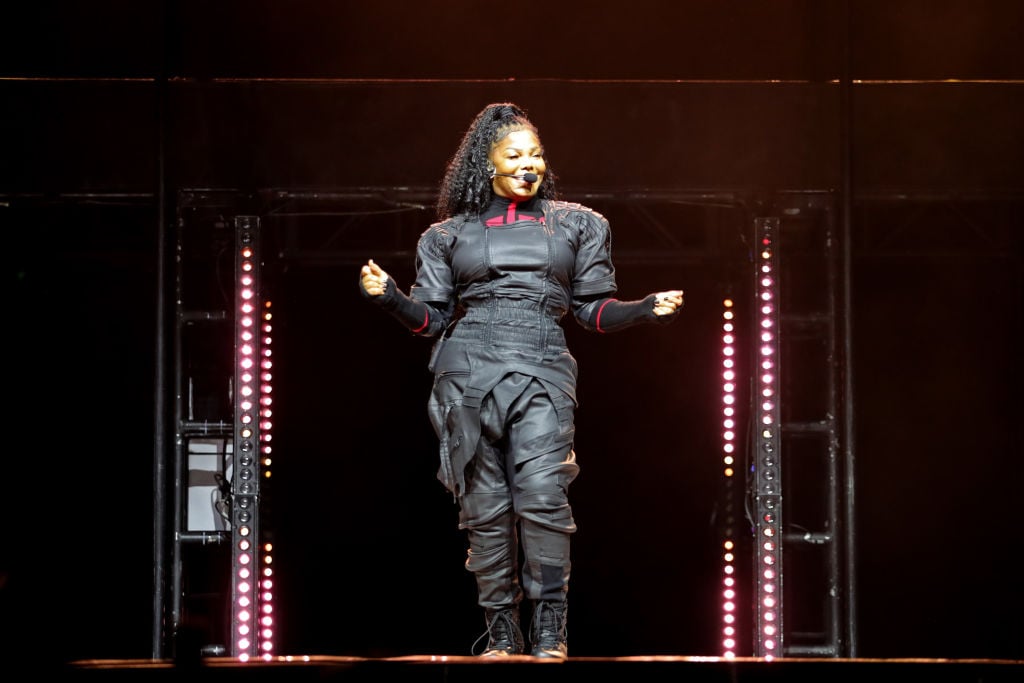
column 548, row 629
column 503, row 635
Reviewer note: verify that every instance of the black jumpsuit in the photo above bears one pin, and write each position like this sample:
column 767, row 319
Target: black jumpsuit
column 504, row 391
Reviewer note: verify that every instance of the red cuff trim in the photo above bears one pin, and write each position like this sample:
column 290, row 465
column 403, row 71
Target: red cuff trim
column 597, row 318
column 426, row 321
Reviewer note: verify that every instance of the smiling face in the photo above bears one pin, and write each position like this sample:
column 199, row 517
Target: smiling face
column 517, row 153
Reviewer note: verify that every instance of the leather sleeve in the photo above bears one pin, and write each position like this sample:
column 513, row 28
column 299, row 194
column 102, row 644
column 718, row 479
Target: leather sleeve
column 611, row 315
column 417, row 316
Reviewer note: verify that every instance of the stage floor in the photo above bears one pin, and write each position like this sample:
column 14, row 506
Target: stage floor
column 455, row 669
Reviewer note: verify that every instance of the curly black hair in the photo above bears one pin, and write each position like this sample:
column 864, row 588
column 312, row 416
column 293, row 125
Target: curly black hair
column 466, row 187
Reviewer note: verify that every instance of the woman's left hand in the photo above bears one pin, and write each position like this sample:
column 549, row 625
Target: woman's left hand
column 667, row 303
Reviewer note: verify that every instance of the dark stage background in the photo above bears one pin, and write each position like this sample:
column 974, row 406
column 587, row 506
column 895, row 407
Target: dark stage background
column 109, row 110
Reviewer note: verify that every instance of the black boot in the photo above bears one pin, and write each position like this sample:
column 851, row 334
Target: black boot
column 504, row 636
column 547, row 631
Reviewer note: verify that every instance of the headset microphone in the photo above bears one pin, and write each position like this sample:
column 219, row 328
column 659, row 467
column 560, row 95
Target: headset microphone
column 528, row 177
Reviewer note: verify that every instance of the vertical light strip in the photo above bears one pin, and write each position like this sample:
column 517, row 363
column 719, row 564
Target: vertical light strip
column 266, row 635
column 729, row 594
column 767, row 466
column 245, row 473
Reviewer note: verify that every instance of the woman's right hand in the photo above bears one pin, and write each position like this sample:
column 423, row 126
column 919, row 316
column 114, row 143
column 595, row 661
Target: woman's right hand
column 373, row 279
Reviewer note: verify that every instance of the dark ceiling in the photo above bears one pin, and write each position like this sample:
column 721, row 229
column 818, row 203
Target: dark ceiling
column 105, row 96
